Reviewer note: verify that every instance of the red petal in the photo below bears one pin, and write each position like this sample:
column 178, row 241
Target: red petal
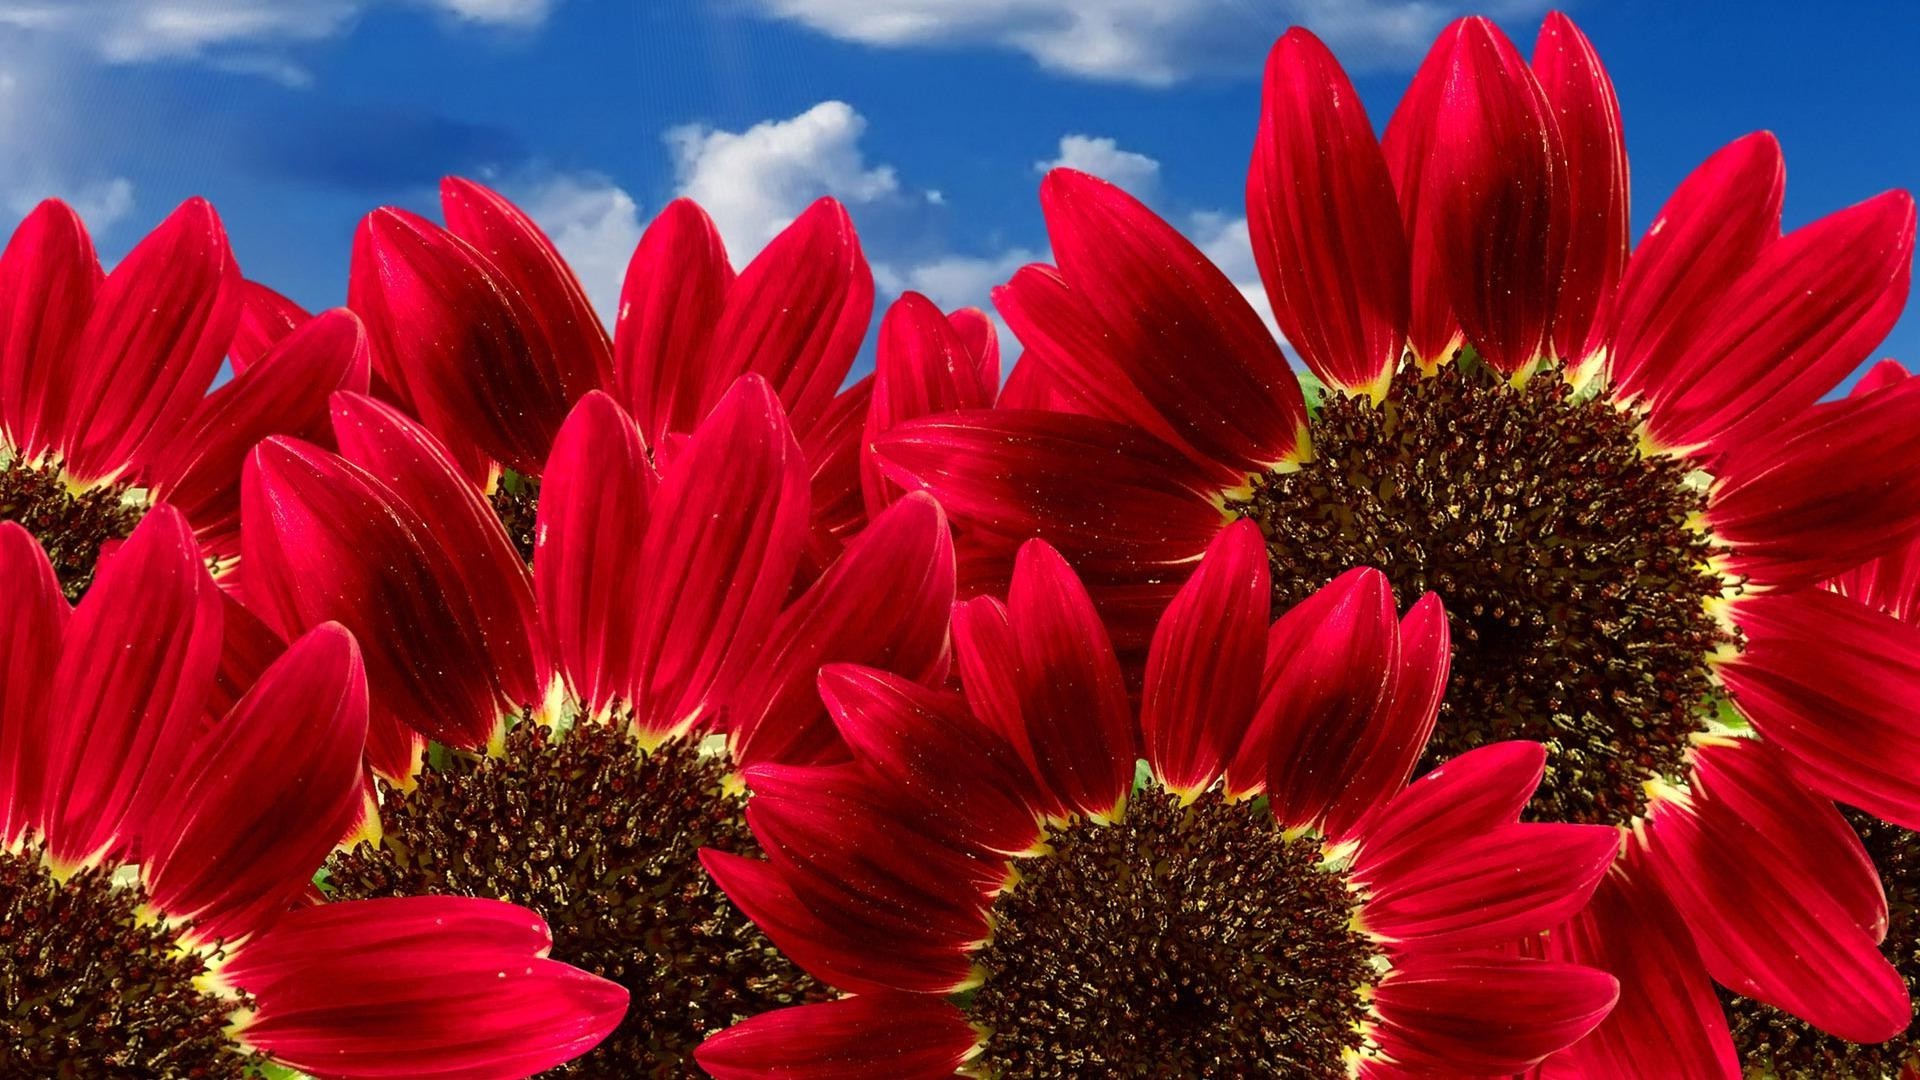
column 158, row 331
column 876, row 873
column 902, row 1036
column 834, row 449
column 1890, row 583
column 265, row 318
column 1410, row 150
column 594, row 500
column 1588, row 116
column 988, row 656
column 1089, row 486
column 1781, row 898
column 1803, row 315
column 1833, row 682
column 419, row 986
column 48, row 279
column 493, row 579
column 30, row 638
column 719, row 567
column 1325, row 226
column 1070, row 365
column 1881, row 376
column 1182, row 333
column 1486, row 1015
column 797, row 314
column 1707, row 234
column 1478, row 791
column 1073, row 700
column 861, row 962
column 676, row 284
column 394, row 750
column 852, row 820
column 1668, row 1021
column 1508, row 882
column 1385, row 756
column 981, row 340
column 1203, row 669
column 256, row 807
column 922, row 368
column 325, row 542
column 133, row 676
column 1824, row 492
column 463, row 350
column 528, row 263
column 1032, row 384
column 248, row 647
column 927, row 743
column 883, row 605
column 1501, row 214
column 284, row 393
column 1333, row 683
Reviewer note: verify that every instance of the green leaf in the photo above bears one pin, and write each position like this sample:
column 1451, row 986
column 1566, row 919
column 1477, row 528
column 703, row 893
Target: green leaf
column 1313, row 390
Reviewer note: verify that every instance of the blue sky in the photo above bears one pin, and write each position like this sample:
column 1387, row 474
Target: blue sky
column 930, row 118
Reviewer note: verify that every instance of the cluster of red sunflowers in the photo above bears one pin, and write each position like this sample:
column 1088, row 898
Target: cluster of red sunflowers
column 461, row 691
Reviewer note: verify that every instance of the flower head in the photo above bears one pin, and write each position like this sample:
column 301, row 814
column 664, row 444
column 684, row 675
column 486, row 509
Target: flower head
column 104, row 407
column 588, row 716
column 155, row 857
column 1000, row 895
column 1611, row 468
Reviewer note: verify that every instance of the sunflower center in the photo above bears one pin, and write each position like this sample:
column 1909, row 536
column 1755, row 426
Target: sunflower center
column 88, row 989
column 1182, row 941
column 1775, row 1044
column 602, row 841
column 72, row 527
column 516, row 502
column 1575, row 584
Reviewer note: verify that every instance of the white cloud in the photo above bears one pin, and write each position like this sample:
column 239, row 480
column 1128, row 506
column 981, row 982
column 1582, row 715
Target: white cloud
column 136, row 31
column 38, row 166
column 596, row 226
column 1137, row 174
column 499, row 12
column 754, row 182
column 1154, row 42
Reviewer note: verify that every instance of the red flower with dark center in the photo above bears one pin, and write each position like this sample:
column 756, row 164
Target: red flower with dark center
column 103, row 385
column 589, row 715
column 1612, row 469
column 996, row 893
column 205, row 961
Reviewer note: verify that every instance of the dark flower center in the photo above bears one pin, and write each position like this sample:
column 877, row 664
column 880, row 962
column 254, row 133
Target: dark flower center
column 71, row 527
column 1183, row 941
column 602, row 841
column 516, row 502
column 1575, row 582
column 89, row 990
column 1777, row 1045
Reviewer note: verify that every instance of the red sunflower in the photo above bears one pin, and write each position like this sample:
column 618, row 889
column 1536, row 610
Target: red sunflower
column 588, row 715
column 1612, row 469
column 995, row 892
column 154, row 858
column 104, row 407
